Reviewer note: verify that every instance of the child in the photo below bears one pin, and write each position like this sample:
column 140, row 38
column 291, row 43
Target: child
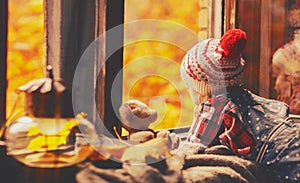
column 226, row 113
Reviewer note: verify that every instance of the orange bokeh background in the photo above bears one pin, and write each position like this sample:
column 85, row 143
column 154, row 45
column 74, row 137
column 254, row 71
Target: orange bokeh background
column 26, row 50
column 168, row 94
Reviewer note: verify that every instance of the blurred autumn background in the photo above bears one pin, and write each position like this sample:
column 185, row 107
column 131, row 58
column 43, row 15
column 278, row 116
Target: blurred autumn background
column 25, row 46
column 163, row 90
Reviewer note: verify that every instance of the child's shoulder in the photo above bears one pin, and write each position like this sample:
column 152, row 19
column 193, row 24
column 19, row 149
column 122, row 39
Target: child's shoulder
column 271, row 106
column 243, row 98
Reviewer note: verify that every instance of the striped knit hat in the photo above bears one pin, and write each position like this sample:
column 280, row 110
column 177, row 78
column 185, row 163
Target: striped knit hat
column 214, row 64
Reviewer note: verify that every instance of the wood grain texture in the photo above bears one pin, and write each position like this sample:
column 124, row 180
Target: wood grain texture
column 265, row 51
column 71, row 27
column 248, row 17
column 229, row 14
column 100, row 27
column 215, row 24
column 114, row 63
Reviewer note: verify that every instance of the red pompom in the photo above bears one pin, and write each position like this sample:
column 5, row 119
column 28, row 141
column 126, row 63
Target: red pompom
column 233, row 43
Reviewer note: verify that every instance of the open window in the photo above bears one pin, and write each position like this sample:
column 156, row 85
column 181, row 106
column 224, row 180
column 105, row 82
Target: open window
column 150, row 29
column 68, row 28
column 157, row 35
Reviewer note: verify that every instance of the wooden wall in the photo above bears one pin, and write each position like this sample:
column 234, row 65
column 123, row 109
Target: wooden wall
column 248, row 19
column 264, row 23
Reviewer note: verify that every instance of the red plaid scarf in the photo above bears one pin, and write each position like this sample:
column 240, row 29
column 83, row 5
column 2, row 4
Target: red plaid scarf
column 218, row 115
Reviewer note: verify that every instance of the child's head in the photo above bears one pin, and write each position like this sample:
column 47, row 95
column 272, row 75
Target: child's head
column 213, row 65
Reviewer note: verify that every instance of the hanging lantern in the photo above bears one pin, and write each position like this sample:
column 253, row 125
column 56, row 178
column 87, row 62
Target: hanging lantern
column 49, row 135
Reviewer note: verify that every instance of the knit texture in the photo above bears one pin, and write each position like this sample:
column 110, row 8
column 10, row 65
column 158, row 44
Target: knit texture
column 214, row 64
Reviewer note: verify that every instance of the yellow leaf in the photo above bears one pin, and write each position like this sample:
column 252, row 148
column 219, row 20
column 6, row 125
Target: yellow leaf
column 33, row 131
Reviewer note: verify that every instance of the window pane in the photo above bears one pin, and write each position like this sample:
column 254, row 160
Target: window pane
column 153, row 52
column 25, row 46
column 284, row 50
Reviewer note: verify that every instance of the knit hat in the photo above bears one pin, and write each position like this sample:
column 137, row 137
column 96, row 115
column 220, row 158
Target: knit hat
column 213, row 65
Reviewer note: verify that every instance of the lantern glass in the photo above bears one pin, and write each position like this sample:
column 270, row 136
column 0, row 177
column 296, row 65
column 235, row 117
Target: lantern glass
column 50, row 142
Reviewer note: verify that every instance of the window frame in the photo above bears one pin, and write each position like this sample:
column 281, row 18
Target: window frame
column 3, row 58
column 103, row 15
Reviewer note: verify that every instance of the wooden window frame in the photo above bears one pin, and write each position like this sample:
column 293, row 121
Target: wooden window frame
column 70, row 40
column 3, row 58
column 64, row 46
column 265, row 48
column 222, row 17
column 215, row 24
column 261, row 44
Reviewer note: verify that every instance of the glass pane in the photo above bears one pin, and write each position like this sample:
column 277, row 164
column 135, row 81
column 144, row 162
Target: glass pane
column 25, row 46
column 157, row 36
column 286, row 55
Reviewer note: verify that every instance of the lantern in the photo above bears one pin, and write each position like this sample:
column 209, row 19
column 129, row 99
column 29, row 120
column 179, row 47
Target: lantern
column 49, row 135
